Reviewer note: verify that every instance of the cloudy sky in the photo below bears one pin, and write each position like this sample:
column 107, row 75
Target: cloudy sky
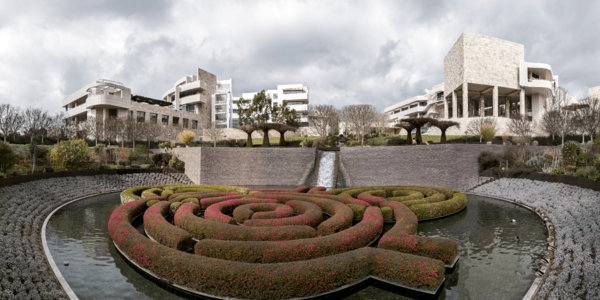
column 346, row 52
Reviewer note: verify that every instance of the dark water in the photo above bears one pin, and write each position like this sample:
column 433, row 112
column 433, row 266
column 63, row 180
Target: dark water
column 493, row 265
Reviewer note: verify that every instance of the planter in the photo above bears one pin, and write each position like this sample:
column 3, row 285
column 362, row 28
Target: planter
column 488, row 143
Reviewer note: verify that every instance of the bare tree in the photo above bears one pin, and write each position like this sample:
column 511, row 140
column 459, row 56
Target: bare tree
column 549, row 123
column 520, row 126
column 213, row 132
column 360, row 117
column 131, row 129
column 112, row 128
column 557, row 101
column 381, row 121
column 94, row 128
column 323, row 117
column 151, row 131
column 474, row 126
column 588, row 116
column 34, row 119
column 8, row 115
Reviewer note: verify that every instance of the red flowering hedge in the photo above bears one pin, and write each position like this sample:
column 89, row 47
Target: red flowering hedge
column 285, row 256
column 217, row 211
column 285, row 251
column 201, row 228
column 164, row 232
column 308, row 214
column 402, row 237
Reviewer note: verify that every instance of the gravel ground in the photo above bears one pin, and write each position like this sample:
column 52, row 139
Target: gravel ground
column 575, row 213
column 24, row 272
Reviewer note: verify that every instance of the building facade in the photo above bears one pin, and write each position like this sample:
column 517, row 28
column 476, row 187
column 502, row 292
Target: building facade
column 594, row 92
column 483, row 77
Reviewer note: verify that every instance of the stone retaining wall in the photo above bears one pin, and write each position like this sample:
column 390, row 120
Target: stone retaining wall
column 450, row 165
column 247, row 166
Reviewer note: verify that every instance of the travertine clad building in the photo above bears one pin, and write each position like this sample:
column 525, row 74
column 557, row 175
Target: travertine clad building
column 483, row 77
column 594, row 92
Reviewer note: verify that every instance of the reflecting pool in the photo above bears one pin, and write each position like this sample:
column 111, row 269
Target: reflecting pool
column 493, row 263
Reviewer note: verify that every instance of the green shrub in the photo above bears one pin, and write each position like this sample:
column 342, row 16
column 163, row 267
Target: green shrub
column 191, row 200
column 358, row 211
column 69, row 153
column 376, row 193
column 534, row 143
column 166, row 193
column 146, row 166
column 164, row 232
column 440, row 209
column 174, row 207
column 176, row 163
column 151, row 202
column 558, row 171
column 589, row 172
column 151, row 192
column 132, row 194
column 538, row 162
column 388, row 214
column 488, row 160
column 8, row 158
column 571, row 152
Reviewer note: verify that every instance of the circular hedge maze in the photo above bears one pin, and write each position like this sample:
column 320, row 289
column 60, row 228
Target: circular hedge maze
column 227, row 241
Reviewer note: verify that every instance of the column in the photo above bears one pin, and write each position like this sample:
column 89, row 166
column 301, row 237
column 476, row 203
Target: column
column 481, row 105
column 522, row 101
column 495, row 100
column 454, row 105
column 104, row 114
column 507, row 106
column 445, row 108
column 465, row 108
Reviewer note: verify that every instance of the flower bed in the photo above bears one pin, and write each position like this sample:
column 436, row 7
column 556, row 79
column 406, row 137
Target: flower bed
column 279, row 255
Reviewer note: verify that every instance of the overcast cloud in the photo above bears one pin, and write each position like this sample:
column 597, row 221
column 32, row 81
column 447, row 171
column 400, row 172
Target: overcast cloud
column 346, row 52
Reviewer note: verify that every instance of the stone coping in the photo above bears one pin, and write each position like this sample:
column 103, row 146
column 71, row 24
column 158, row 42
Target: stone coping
column 55, row 271
column 539, row 280
column 33, row 177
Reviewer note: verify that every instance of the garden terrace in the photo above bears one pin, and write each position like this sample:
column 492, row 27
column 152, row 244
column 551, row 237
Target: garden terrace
column 278, row 255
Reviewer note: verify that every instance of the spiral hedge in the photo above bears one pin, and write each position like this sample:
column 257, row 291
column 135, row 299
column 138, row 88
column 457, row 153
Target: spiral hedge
column 279, row 244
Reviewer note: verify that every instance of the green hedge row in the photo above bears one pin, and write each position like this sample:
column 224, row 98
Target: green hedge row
column 132, row 194
column 286, row 251
column 204, row 187
column 201, row 228
column 437, row 197
column 402, row 237
column 309, row 214
column 164, row 232
column 440, row 209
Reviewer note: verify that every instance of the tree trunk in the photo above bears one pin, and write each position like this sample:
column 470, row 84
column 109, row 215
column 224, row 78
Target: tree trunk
column 282, row 138
column 563, row 138
column 133, row 144
column 266, row 139
column 408, row 137
column 249, row 139
column 418, row 135
column 443, row 138
column 582, row 138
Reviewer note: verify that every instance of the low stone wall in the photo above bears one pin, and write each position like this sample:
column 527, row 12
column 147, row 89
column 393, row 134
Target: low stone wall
column 247, row 166
column 449, row 165
column 235, row 134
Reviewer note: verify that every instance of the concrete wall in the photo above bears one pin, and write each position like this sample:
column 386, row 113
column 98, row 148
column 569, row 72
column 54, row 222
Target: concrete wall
column 594, row 92
column 235, row 134
column 451, row 166
column 242, row 166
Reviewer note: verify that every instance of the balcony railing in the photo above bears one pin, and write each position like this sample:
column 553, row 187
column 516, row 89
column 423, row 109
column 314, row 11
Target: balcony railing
column 192, row 86
column 196, row 98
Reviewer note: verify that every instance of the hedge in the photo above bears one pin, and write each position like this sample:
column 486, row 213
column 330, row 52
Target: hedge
column 217, row 211
column 437, row 197
column 309, row 214
column 317, row 189
column 275, row 211
column 151, row 192
column 197, row 195
column 388, row 214
column 132, row 194
column 286, row 251
column 163, row 231
column 402, row 237
column 358, row 211
column 440, row 209
column 372, row 199
column 341, row 214
column 201, row 228
column 219, row 188
column 405, row 195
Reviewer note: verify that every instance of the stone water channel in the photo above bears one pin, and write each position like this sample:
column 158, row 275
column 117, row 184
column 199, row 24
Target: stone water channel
column 493, row 263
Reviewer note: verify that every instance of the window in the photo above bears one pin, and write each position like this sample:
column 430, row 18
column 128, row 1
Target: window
column 130, row 113
column 414, row 105
column 286, row 92
column 235, row 122
column 423, row 104
column 141, row 116
column 194, row 124
column 396, row 111
column 295, row 103
column 175, row 121
column 111, row 93
column 535, row 76
column 188, row 107
column 275, row 96
column 440, row 96
column 153, row 118
column 112, row 112
column 165, row 120
column 405, row 108
column 235, row 110
column 186, row 122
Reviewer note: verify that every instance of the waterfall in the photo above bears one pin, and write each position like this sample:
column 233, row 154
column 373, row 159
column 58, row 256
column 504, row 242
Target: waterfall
column 326, row 175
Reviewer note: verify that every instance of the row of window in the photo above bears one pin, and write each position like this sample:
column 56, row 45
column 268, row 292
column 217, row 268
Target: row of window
column 141, row 117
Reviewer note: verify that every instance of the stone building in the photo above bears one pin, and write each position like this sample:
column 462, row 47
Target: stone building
column 594, row 92
column 483, row 77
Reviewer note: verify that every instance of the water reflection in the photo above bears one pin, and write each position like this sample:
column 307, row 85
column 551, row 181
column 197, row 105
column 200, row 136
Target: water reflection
column 493, row 265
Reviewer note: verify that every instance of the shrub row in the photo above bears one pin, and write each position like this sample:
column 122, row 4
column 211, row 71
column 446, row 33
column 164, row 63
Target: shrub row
column 402, row 237
column 164, row 232
column 217, row 211
column 318, row 189
column 219, row 188
column 201, row 228
column 389, row 190
column 197, row 195
column 372, row 198
column 286, row 251
column 437, row 197
column 309, row 214
column 440, row 209
column 132, row 194
column 151, row 192
column 405, row 195
column 341, row 214
column 273, row 212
